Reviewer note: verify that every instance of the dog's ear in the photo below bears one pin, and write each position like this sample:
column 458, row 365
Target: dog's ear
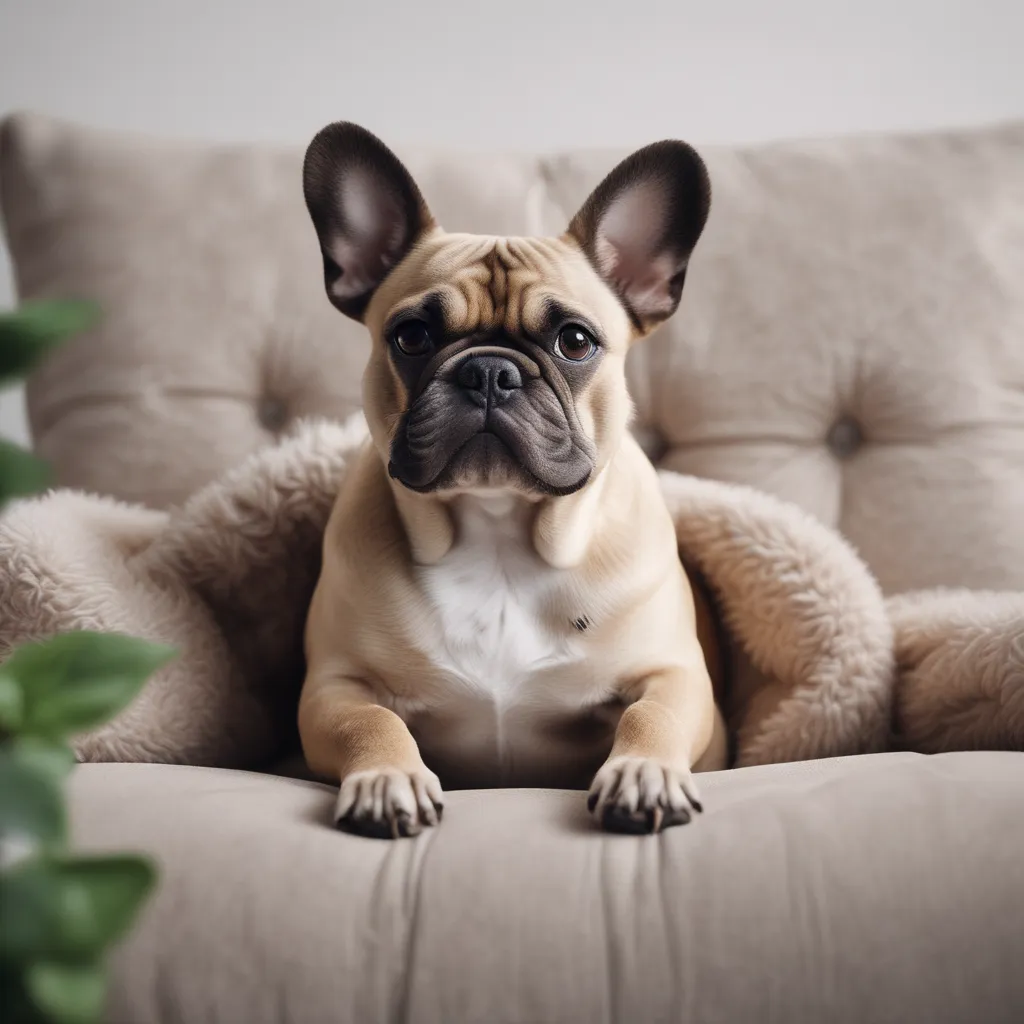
column 639, row 226
column 367, row 211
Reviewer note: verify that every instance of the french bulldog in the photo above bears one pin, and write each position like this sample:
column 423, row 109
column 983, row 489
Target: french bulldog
column 501, row 600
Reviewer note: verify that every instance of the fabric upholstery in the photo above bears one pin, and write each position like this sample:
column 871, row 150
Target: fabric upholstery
column 960, row 656
column 850, row 336
column 879, row 888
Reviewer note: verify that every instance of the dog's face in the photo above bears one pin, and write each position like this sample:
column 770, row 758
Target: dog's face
column 500, row 362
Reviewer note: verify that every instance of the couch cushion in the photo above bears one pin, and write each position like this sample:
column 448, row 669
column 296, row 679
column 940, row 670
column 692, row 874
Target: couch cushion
column 882, row 888
column 850, row 336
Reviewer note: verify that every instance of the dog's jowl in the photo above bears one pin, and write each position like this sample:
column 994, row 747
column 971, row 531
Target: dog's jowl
column 501, row 600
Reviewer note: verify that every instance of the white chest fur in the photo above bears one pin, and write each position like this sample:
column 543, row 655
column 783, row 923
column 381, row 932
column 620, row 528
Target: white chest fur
column 490, row 594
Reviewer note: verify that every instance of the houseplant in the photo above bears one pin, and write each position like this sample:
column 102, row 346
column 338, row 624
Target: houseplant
column 60, row 912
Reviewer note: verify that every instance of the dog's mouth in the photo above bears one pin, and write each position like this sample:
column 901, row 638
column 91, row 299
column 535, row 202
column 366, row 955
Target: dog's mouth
column 486, row 462
column 491, row 419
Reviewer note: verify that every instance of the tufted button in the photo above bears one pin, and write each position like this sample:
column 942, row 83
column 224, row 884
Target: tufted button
column 844, row 437
column 272, row 413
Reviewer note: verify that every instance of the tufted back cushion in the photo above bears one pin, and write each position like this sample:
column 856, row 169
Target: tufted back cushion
column 851, row 335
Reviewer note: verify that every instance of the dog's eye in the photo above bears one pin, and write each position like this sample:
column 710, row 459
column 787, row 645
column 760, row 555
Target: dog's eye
column 574, row 344
column 412, row 338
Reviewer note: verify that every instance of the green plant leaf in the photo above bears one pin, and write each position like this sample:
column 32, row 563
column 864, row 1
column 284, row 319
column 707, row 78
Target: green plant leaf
column 30, row 899
column 49, row 757
column 31, row 803
column 21, row 472
column 30, row 332
column 67, row 993
column 102, row 895
column 70, row 908
column 11, row 705
column 78, row 680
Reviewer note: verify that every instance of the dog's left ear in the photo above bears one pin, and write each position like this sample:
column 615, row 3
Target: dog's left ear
column 640, row 225
column 366, row 208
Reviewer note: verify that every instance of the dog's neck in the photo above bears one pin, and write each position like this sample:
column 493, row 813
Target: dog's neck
column 561, row 529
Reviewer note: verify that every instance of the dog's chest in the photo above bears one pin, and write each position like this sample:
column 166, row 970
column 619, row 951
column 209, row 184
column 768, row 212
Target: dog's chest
column 492, row 597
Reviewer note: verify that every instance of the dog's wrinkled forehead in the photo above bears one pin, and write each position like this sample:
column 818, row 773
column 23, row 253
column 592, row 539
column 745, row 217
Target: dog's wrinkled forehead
column 473, row 285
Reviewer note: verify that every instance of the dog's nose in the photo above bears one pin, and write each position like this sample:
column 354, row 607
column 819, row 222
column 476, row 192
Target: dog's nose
column 489, row 379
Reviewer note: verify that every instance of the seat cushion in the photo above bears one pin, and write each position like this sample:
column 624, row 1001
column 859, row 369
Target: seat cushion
column 849, row 336
column 880, row 888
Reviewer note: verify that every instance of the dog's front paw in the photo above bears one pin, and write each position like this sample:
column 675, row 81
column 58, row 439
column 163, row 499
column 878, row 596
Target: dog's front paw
column 640, row 794
column 388, row 803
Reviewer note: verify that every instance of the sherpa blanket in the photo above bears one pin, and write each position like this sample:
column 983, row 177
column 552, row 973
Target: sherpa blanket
column 821, row 664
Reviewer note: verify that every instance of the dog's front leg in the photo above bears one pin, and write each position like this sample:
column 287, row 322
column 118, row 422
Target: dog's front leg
column 646, row 784
column 386, row 789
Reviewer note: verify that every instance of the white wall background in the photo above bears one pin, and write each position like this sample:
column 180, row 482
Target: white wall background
column 515, row 73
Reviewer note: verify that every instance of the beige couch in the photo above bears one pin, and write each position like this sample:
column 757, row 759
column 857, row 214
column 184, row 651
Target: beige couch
column 851, row 338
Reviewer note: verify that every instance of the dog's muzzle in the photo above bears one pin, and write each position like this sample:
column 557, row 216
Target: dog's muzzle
column 491, row 416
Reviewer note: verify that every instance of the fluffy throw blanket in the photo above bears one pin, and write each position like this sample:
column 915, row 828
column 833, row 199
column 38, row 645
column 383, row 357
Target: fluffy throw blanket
column 821, row 663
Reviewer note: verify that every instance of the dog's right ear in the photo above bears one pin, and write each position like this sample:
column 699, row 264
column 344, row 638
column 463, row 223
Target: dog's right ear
column 367, row 211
